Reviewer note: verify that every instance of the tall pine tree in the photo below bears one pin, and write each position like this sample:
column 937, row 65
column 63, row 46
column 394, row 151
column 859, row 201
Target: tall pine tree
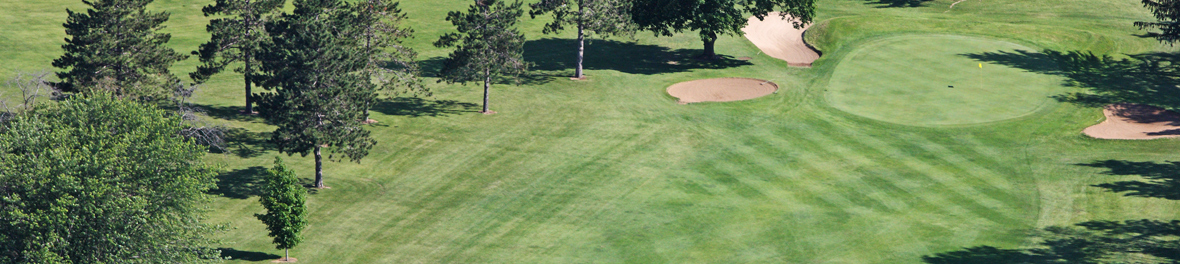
column 487, row 46
column 591, row 17
column 115, row 45
column 316, row 68
column 379, row 24
column 235, row 38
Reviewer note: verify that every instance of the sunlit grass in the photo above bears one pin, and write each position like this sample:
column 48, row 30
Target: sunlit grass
column 613, row 170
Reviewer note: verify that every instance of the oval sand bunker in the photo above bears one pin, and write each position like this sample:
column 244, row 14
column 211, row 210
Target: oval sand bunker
column 1133, row 121
column 721, row 90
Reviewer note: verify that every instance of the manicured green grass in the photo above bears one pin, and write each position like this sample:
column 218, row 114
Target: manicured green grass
column 933, row 80
column 613, row 170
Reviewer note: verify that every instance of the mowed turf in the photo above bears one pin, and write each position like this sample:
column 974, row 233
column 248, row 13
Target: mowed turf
column 612, row 170
column 933, row 80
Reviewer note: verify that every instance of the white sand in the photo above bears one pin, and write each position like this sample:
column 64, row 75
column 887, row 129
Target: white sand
column 721, row 90
column 1132, row 121
column 778, row 38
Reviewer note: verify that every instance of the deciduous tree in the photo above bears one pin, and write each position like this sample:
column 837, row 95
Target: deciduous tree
column 236, row 37
column 118, row 41
column 286, row 209
column 98, row 180
column 713, row 17
column 487, row 46
column 593, row 18
column 316, row 68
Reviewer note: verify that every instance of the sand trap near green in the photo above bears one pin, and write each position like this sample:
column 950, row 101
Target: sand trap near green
column 932, row 80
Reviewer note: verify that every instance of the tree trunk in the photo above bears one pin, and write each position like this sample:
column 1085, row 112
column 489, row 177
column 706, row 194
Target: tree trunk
column 319, row 168
column 249, row 98
column 368, row 104
column 286, row 254
column 487, row 83
column 710, row 39
column 581, row 50
column 246, row 71
column 370, row 65
column 581, row 40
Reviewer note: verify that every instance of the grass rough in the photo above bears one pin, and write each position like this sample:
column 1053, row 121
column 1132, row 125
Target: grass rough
column 613, row 170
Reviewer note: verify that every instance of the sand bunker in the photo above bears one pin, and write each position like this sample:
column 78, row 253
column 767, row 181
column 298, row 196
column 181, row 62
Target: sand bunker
column 778, row 38
column 1132, row 121
column 721, row 90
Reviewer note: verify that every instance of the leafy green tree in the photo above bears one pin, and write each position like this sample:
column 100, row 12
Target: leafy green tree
column 591, row 17
column 1167, row 12
column 487, row 46
column 116, row 41
column 98, row 180
column 286, row 211
column 712, row 17
column 316, row 68
column 391, row 64
column 236, row 37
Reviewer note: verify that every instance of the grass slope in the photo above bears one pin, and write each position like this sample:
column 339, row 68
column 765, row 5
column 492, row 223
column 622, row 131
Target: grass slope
column 613, row 170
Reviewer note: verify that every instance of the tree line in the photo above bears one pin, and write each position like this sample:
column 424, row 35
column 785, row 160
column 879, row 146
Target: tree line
column 112, row 171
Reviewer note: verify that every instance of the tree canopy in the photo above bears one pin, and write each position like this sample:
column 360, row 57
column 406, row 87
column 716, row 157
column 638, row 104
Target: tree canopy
column 117, row 42
column 94, row 180
column 285, row 203
column 593, row 18
column 316, row 68
column 236, row 37
column 487, row 46
column 711, row 18
column 380, row 24
column 1167, row 12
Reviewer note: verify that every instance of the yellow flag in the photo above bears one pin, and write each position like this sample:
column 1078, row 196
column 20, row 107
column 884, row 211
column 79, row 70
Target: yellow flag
column 981, row 65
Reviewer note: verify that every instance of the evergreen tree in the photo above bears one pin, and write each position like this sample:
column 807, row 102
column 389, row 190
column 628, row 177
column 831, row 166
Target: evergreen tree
column 235, row 38
column 116, row 41
column 591, row 17
column 713, row 17
column 286, row 209
column 97, row 180
column 391, row 64
column 487, row 46
column 1168, row 14
column 316, row 68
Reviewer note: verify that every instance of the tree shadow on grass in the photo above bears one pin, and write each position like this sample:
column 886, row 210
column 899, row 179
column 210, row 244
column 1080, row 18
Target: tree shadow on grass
column 231, row 113
column 418, row 107
column 247, row 144
column 309, row 184
column 240, row 183
column 896, row 3
column 1139, row 241
column 1148, row 79
column 1160, row 180
column 432, row 66
column 559, row 56
column 229, row 253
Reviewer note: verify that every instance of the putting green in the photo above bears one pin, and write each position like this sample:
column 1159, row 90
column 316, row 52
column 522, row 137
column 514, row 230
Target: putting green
column 931, row 80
